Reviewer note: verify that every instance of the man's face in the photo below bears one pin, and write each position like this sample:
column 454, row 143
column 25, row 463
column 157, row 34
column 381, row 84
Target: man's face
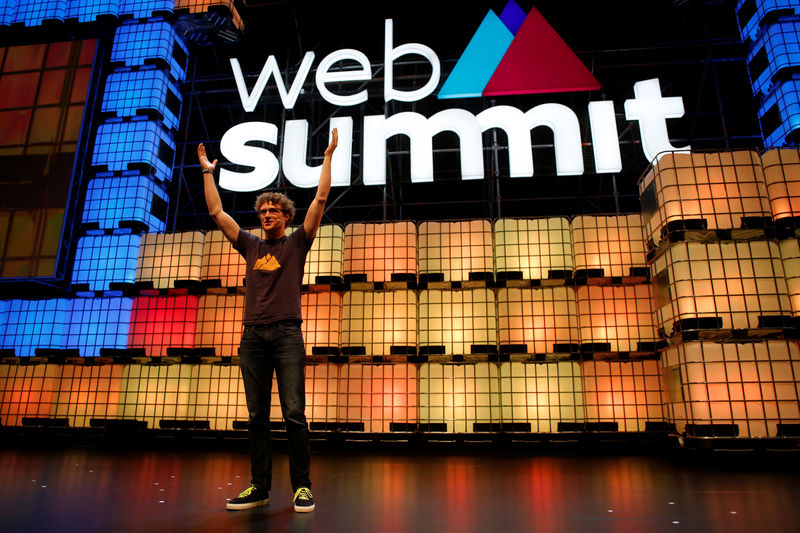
column 273, row 219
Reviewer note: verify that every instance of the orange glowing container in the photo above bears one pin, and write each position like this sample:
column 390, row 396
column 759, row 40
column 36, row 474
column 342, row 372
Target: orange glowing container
column 88, row 392
column 626, row 392
column 455, row 249
column 219, row 323
column 378, row 252
column 323, row 382
column 376, row 322
column 616, row 318
column 27, row 391
column 782, row 175
column 541, row 394
column 457, row 322
column 167, row 257
column 322, row 322
column 753, row 386
column 201, row 6
column 538, row 321
column 538, row 248
column 221, row 261
column 790, row 256
column 614, row 244
column 726, row 284
column 719, row 188
column 378, row 396
column 453, row 398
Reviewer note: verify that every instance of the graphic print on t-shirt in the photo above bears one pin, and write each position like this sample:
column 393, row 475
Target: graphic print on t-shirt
column 268, row 262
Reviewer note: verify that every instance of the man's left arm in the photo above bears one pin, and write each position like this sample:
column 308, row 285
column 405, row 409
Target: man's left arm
column 314, row 214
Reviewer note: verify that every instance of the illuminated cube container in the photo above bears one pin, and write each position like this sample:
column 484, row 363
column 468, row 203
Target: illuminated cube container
column 750, row 14
column 142, row 43
column 7, row 10
column 538, row 319
column 111, row 199
column 626, row 392
column 720, row 188
column 201, row 6
column 26, row 391
column 4, row 306
column 325, row 260
column 104, row 259
column 87, row 392
column 322, row 322
column 218, row 396
column 152, row 393
column 541, row 394
column 790, row 255
column 378, row 321
column 616, row 318
column 219, row 323
column 89, row 10
column 457, row 321
column 378, row 395
column 132, row 143
column 35, row 13
column 459, row 396
column 221, row 261
column 161, row 322
column 129, row 91
column 455, row 249
column 532, row 247
column 776, row 49
column 733, row 283
column 752, row 385
column 782, row 174
column 165, row 258
column 32, row 324
column 779, row 113
column 96, row 323
column 614, row 244
column 322, row 389
column 377, row 251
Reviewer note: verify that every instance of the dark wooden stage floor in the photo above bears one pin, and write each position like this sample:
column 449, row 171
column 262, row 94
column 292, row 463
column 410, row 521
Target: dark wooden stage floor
column 93, row 490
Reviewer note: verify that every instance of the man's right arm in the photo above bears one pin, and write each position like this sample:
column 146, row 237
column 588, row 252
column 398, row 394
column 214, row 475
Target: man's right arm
column 224, row 221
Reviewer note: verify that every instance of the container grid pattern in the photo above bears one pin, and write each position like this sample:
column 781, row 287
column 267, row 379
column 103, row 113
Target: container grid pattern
column 168, row 257
column 455, row 249
column 322, row 322
column 89, row 10
column 128, row 91
column 782, row 174
column 779, row 43
column 543, row 320
column 34, row 13
column 617, row 317
column 377, row 321
column 784, row 103
column 459, row 321
column 749, row 26
column 120, row 144
column 379, row 250
column 378, row 395
column 96, row 323
column 111, row 199
column 532, row 247
column 104, row 259
column 614, row 244
column 32, row 324
column 138, row 43
column 162, row 322
column 219, row 323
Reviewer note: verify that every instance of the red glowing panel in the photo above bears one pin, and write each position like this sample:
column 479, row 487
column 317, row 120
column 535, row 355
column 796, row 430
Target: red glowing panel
column 158, row 323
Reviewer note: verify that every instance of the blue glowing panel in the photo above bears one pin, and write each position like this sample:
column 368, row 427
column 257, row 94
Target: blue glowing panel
column 7, row 10
column 779, row 114
column 750, row 13
column 479, row 60
column 97, row 323
column 153, row 42
column 111, row 199
column 513, row 16
column 133, row 145
column 32, row 324
column 776, row 50
column 131, row 92
column 89, row 10
column 104, row 259
column 146, row 8
column 32, row 13
column 4, row 306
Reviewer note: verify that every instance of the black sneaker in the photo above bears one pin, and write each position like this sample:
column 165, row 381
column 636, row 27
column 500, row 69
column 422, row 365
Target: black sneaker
column 249, row 498
column 303, row 500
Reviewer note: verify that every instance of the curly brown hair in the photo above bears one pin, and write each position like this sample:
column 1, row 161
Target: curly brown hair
column 287, row 205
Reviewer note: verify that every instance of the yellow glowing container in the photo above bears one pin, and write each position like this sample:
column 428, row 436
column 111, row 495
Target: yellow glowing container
column 539, row 319
column 27, row 391
column 455, row 249
column 166, row 257
column 87, row 392
column 221, row 261
column 459, row 396
column 782, row 175
column 201, row 6
column 619, row 316
column 628, row 393
column 532, row 247
column 377, row 321
column 751, row 385
column 376, row 251
column 325, row 260
column 541, row 394
column 459, row 321
column 612, row 243
column 322, row 320
column 152, row 393
column 720, row 188
column 736, row 282
column 219, row 323
column 378, row 395
column 790, row 256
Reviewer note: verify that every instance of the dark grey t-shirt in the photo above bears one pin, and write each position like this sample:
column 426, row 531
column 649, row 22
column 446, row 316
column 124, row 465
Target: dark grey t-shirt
column 274, row 276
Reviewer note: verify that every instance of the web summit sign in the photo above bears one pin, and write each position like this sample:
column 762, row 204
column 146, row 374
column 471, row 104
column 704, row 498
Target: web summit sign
column 497, row 61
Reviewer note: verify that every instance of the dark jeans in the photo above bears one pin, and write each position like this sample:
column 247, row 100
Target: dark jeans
column 266, row 349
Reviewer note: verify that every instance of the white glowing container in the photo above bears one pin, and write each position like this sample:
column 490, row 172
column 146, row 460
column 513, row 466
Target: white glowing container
column 532, row 247
column 458, row 396
column 457, row 320
column 378, row 250
column 378, row 320
column 378, row 395
column 218, row 396
column 620, row 316
column 325, row 260
column 782, row 175
column 752, row 385
column 612, row 243
column 167, row 257
column 790, row 256
column 455, row 249
column 537, row 318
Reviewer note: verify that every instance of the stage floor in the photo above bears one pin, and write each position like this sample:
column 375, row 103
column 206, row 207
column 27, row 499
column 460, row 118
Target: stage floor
column 95, row 490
